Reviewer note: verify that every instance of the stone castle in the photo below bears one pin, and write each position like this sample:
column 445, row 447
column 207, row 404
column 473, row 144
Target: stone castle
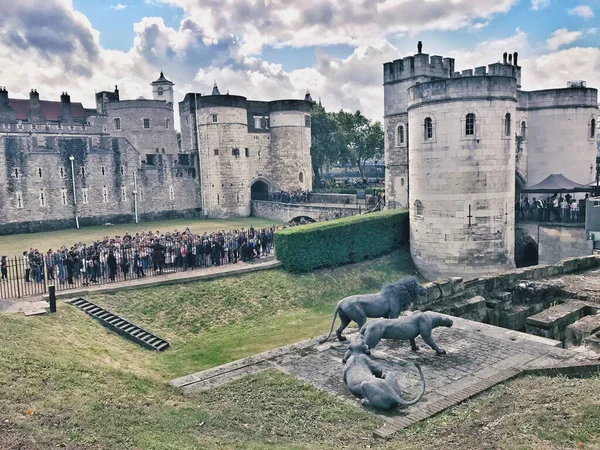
column 458, row 145
column 66, row 165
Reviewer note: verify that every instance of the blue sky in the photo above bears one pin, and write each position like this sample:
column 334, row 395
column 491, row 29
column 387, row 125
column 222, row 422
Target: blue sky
column 267, row 49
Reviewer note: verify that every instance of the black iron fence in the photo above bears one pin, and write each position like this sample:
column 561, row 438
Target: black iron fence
column 551, row 214
column 25, row 276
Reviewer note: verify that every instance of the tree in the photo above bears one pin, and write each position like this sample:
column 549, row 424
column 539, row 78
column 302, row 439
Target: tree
column 327, row 143
column 363, row 140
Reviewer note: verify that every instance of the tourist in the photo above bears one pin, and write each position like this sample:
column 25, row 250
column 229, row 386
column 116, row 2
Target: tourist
column 4, row 268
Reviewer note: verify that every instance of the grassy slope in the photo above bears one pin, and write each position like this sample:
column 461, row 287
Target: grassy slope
column 16, row 244
column 89, row 388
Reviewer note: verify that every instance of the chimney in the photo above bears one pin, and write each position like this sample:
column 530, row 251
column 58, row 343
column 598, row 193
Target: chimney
column 34, row 99
column 116, row 93
column 504, row 56
column 67, row 111
column 516, row 55
column 510, row 59
column 3, row 95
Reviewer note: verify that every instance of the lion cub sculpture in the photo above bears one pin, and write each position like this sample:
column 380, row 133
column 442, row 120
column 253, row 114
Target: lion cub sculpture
column 393, row 299
column 406, row 329
column 366, row 379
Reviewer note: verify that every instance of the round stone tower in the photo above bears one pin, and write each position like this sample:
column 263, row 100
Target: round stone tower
column 290, row 145
column 462, row 173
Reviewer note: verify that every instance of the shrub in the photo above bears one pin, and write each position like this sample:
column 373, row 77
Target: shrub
column 341, row 241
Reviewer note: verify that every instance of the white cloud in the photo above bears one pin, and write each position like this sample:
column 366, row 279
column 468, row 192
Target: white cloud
column 582, row 11
column 539, row 4
column 562, row 37
column 118, row 6
column 592, row 30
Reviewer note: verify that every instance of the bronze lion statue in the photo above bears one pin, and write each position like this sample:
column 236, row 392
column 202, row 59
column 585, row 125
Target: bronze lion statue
column 366, row 379
column 406, row 329
column 393, row 299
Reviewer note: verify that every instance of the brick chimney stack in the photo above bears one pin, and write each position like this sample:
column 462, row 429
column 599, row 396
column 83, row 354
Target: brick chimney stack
column 3, row 95
column 67, row 111
column 34, row 99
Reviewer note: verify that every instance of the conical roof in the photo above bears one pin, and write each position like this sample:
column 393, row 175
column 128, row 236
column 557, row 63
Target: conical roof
column 215, row 90
column 555, row 183
column 162, row 79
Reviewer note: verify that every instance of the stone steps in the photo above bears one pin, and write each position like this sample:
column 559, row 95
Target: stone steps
column 583, row 328
column 552, row 322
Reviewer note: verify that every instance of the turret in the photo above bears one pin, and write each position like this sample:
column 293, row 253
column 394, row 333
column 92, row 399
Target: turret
column 162, row 89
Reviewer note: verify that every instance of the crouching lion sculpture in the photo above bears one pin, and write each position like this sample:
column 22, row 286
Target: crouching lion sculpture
column 389, row 302
column 366, row 379
column 406, row 329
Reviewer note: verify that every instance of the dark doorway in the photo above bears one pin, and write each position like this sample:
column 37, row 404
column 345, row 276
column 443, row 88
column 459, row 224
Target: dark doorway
column 530, row 255
column 259, row 190
column 302, row 220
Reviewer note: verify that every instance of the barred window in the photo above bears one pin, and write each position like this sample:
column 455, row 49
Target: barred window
column 42, row 198
column 84, row 195
column 215, row 118
column 123, row 193
column 400, row 136
column 146, row 122
column 592, row 128
column 117, row 122
column 470, row 125
column 507, row 124
column 19, row 199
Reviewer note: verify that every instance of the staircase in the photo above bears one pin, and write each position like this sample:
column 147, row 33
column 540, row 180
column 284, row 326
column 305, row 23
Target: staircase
column 121, row 326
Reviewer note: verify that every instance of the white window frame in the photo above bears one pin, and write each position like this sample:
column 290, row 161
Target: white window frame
column 476, row 127
column 144, row 123
column 215, row 118
column 419, row 209
column 84, row 196
column 258, row 121
column 105, row 129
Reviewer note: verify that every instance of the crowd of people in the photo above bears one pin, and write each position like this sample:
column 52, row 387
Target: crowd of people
column 133, row 255
column 290, row 197
column 552, row 209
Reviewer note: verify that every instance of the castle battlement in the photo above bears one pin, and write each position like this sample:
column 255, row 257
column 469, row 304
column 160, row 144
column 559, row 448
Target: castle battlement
column 419, row 65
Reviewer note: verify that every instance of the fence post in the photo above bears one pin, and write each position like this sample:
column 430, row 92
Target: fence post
column 52, row 293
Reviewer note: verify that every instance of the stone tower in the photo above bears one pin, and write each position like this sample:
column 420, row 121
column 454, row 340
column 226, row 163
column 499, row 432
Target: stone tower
column 162, row 89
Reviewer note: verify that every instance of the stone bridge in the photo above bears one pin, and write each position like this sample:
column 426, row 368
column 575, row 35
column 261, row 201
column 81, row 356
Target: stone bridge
column 285, row 212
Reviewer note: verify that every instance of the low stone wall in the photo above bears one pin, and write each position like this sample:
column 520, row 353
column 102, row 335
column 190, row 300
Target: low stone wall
column 455, row 290
column 557, row 241
column 333, row 198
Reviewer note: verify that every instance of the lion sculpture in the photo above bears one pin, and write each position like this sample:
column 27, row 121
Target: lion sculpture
column 389, row 302
column 366, row 379
column 406, row 329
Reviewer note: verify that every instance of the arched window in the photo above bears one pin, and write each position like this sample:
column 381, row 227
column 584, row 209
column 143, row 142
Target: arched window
column 470, row 125
column 592, row 128
column 428, row 125
column 418, row 208
column 400, row 136
column 523, row 130
column 167, row 124
column 301, row 177
column 507, row 124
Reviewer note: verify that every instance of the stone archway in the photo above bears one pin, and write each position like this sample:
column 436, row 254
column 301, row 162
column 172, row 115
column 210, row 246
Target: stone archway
column 303, row 219
column 259, row 190
column 526, row 252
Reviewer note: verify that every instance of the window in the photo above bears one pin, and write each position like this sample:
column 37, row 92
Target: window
column 238, row 197
column 123, row 193
column 117, row 122
column 400, row 136
column 160, row 91
column 122, row 170
column 146, row 123
column 235, row 152
column 19, row 199
column 63, row 196
column 507, row 124
column 470, row 125
column 592, row 128
column 401, row 181
column 216, row 150
column 83, row 172
column 218, row 199
column 104, row 194
column 33, row 126
column 257, row 122
column 84, row 196
column 187, row 120
column 215, row 118
column 523, row 131
column 42, row 198
column 40, row 172
column 141, row 195
column 301, row 177
column 17, row 173
column 418, row 208
column 104, row 129
column 61, row 172
column 247, row 152
column 168, row 124
column 428, row 128
column 171, row 193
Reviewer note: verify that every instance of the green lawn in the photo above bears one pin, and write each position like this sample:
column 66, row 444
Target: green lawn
column 16, row 244
column 65, row 381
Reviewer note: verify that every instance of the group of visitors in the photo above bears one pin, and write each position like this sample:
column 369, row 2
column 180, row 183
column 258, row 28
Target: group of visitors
column 552, row 209
column 290, row 197
column 127, row 255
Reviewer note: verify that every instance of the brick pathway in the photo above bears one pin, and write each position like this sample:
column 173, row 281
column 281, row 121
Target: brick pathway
column 32, row 304
column 479, row 356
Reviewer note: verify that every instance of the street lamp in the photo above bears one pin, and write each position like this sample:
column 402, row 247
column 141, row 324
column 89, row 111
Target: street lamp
column 72, row 158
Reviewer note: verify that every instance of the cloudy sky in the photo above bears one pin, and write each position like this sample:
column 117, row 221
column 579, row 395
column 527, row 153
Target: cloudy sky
column 269, row 49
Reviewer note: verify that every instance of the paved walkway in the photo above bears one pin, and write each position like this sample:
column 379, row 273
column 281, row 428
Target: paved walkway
column 479, row 356
column 37, row 305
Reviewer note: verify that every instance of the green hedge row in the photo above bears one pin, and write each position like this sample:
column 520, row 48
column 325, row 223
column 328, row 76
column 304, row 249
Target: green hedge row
column 341, row 241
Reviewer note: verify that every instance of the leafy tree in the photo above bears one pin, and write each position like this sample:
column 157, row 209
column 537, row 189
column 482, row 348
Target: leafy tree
column 327, row 143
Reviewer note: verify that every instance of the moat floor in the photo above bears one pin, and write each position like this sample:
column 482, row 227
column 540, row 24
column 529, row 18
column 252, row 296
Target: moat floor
column 478, row 357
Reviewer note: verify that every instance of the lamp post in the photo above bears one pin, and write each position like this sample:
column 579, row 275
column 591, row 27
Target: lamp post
column 72, row 158
column 135, row 203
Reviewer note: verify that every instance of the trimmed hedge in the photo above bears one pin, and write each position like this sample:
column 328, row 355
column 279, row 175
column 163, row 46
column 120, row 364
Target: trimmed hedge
column 341, row 241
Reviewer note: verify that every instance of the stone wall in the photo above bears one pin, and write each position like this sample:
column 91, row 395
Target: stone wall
column 556, row 242
column 284, row 212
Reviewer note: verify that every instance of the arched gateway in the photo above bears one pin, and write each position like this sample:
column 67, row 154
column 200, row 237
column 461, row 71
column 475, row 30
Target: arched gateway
column 259, row 190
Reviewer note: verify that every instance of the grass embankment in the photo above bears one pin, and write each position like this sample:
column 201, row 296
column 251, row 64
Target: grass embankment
column 16, row 244
column 88, row 388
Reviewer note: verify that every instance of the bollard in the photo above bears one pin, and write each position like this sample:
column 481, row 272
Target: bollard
column 52, row 293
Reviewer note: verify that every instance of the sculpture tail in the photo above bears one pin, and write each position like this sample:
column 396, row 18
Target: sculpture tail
column 335, row 313
column 404, row 404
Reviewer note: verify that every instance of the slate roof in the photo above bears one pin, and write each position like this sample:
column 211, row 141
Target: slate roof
column 52, row 110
